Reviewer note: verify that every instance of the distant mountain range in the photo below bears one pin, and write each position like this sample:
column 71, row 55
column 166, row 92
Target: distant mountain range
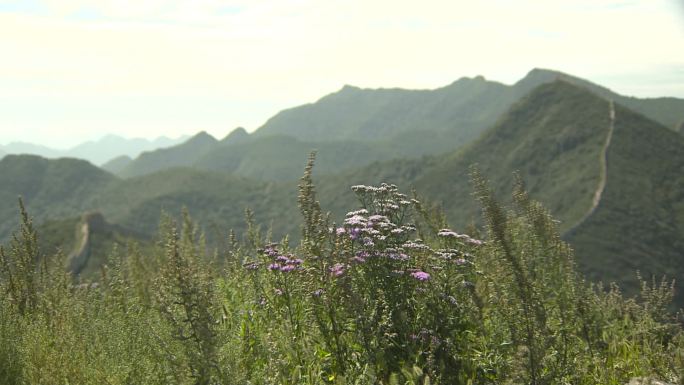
column 97, row 152
column 610, row 168
column 355, row 127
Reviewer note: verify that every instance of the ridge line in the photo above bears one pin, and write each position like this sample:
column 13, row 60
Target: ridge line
column 603, row 160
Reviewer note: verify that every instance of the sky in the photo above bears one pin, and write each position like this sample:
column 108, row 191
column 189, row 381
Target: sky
column 76, row 70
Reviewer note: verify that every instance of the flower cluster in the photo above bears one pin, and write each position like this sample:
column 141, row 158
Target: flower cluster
column 381, row 231
column 450, row 234
column 281, row 262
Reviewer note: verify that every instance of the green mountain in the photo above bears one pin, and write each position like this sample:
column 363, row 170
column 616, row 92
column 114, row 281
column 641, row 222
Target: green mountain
column 116, row 165
column 180, row 155
column 280, row 157
column 238, row 135
column 667, row 111
column 552, row 137
column 51, row 189
column 639, row 221
column 217, row 200
column 556, row 138
column 88, row 241
column 30, row 148
column 355, row 127
column 463, row 108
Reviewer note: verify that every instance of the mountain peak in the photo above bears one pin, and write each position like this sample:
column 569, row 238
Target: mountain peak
column 237, row 135
column 349, row 88
column 541, row 75
column 202, row 137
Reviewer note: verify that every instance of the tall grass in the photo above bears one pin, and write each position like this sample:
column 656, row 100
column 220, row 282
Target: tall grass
column 390, row 295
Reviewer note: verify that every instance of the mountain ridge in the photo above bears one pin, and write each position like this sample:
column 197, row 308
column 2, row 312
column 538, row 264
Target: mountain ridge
column 98, row 151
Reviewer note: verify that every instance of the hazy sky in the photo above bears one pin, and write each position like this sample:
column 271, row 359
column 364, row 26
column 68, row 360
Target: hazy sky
column 72, row 71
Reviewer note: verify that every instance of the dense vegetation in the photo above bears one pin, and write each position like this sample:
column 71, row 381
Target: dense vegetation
column 390, row 296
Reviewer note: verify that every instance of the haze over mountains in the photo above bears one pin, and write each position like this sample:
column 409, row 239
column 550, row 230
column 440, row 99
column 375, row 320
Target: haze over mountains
column 554, row 129
column 97, row 152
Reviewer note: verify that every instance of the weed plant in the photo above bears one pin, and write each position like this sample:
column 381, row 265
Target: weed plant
column 390, row 295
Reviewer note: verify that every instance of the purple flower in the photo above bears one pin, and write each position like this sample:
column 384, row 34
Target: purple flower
column 355, row 220
column 340, row 231
column 270, row 250
column 368, row 242
column 274, row 266
column 287, row 268
column 354, row 233
column 360, row 256
column 296, row 261
column 337, row 270
column 282, row 259
column 420, row 275
column 461, row 261
column 377, row 218
column 399, row 256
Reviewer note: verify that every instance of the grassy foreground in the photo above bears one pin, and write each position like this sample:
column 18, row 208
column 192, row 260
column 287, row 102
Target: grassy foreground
column 389, row 296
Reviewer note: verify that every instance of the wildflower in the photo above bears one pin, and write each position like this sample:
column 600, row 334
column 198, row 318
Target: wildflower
column 357, row 213
column 377, row 218
column 416, row 245
column 398, row 256
column 274, row 266
column 446, row 233
column 360, row 256
column 270, row 250
column 340, row 231
column 252, row 266
column 355, row 220
column 317, row 293
column 287, row 268
column 420, row 275
column 473, row 241
column 278, row 291
column 337, row 269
